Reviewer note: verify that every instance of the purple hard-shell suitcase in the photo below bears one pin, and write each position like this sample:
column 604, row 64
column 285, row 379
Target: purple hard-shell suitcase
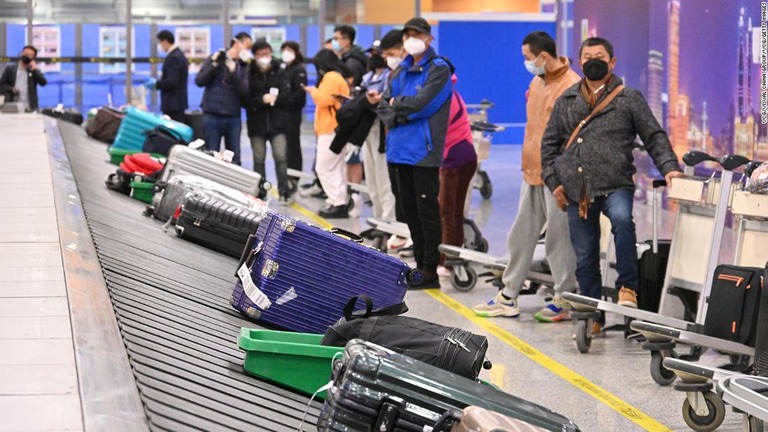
column 303, row 276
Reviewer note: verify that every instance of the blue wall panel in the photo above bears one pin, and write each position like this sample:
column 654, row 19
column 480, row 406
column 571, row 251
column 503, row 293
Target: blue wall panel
column 489, row 65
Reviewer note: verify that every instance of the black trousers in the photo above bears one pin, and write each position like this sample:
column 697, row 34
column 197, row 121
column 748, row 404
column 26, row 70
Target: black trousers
column 175, row 115
column 293, row 134
column 399, row 215
column 418, row 189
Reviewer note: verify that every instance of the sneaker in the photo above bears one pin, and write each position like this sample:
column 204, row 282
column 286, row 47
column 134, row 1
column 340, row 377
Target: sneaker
column 497, row 306
column 444, row 272
column 311, row 191
column 627, row 298
column 426, row 283
column 354, row 205
column 555, row 311
column 394, row 243
column 334, row 212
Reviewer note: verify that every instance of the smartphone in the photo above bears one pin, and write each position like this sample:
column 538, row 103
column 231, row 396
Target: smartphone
column 274, row 91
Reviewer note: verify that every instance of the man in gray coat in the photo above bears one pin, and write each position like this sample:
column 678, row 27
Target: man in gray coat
column 594, row 174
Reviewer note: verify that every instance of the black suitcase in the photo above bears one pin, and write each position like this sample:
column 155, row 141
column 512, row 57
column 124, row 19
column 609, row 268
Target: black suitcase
column 216, row 224
column 160, row 140
column 652, row 269
column 194, row 119
column 378, row 390
column 734, row 304
column 652, row 265
column 70, row 115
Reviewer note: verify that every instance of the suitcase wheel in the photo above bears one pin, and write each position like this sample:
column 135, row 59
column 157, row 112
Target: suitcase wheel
column 414, row 276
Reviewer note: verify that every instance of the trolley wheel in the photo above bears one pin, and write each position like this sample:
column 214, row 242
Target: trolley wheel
column 464, row 285
column 709, row 422
column 414, row 276
column 486, row 188
column 482, row 245
column 583, row 335
column 659, row 373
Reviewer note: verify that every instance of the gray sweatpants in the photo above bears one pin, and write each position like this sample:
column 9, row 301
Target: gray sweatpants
column 538, row 207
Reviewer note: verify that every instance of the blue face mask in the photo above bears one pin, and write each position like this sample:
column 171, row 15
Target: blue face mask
column 336, row 45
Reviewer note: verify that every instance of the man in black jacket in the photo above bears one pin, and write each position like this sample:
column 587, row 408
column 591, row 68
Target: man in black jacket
column 19, row 81
column 225, row 80
column 173, row 81
column 352, row 55
column 594, row 174
column 267, row 105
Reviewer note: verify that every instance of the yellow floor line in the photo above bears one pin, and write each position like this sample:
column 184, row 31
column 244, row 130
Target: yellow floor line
column 497, row 372
column 583, row 384
column 496, row 375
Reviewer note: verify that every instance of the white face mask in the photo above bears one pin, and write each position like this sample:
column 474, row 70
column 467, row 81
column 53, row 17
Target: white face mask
column 532, row 68
column 289, row 56
column 264, row 62
column 414, row 46
column 245, row 55
column 394, row 62
column 160, row 49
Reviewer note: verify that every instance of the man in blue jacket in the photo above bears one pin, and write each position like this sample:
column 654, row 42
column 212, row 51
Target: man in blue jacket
column 226, row 85
column 173, row 81
column 415, row 108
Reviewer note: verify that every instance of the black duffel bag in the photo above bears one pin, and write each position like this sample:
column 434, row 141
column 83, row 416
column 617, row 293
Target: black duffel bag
column 160, row 140
column 71, row 115
column 450, row 348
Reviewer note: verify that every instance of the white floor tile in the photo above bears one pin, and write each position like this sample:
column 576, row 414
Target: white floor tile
column 36, row 352
column 33, row 306
column 40, row 412
column 35, row 327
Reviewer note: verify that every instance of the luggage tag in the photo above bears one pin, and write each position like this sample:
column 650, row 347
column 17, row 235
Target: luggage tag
column 251, row 290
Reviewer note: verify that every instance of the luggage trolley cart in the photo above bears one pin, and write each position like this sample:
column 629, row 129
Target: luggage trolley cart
column 707, row 389
column 482, row 131
column 689, row 266
column 752, row 232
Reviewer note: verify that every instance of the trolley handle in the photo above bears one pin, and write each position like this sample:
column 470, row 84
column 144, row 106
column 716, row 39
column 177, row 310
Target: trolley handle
column 657, row 184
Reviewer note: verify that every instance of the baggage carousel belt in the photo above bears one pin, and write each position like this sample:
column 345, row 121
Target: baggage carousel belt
column 171, row 299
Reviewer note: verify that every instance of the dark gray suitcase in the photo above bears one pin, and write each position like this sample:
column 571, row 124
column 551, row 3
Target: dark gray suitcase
column 216, row 224
column 378, row 390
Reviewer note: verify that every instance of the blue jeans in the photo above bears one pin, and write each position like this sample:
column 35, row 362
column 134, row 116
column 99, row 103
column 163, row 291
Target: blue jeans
column 217, row 126
column 585, row 237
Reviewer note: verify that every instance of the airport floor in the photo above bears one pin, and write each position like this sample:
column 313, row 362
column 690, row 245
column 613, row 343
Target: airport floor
column 608, row 389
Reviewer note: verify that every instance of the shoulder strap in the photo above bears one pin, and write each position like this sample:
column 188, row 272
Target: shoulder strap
column 601, row 106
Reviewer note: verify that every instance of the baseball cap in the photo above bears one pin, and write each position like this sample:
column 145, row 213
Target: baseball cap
column 375, row 47
column 419, row 24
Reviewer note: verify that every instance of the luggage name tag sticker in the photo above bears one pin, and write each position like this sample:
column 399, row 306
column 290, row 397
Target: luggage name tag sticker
column 251, row 290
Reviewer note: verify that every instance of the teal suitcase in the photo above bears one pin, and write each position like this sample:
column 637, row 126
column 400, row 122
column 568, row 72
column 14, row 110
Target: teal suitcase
column 130, row 136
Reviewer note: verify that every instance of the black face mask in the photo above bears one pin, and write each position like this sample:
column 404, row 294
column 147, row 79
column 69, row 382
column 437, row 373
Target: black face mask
column 595, row 69
column 26, row 59
column 376, row 62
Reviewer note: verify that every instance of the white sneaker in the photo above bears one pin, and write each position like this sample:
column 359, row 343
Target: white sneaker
column 443, row 272
column 312, row 190
column 394, row 243
column 356, row 205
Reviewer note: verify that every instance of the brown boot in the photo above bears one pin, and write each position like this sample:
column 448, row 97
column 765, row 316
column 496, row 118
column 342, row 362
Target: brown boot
column 627, row 298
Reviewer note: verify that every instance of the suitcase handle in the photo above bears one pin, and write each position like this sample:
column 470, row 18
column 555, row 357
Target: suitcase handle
column 349, row 309
column 445, row 422
column 348, row 234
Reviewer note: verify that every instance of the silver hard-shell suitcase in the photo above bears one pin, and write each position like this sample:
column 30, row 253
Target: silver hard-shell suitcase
column 186, row 160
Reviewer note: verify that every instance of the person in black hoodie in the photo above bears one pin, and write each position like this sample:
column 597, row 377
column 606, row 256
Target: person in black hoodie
column 352, row 55
column 296, row 74
column 268, row 103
